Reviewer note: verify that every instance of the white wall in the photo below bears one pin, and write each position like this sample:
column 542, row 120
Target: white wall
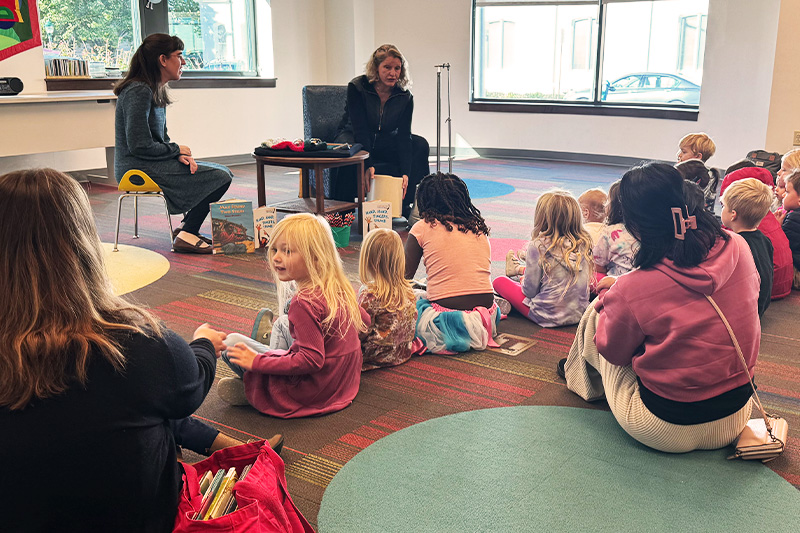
column 784, row 109
column 734, row 109
column 738, row 85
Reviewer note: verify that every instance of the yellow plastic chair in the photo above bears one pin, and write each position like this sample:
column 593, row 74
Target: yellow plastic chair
column 137, row 183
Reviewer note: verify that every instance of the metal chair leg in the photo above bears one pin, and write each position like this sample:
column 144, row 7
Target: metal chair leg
column 119, row 211
column 169, row 220
column 136, row 216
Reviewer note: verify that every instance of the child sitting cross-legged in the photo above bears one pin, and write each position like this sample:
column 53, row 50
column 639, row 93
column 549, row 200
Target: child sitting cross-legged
column 555, row 286
column 388, row 299
column 321, row 371
column 782, row 269
column 744, row 204
column 593, row 209
column 458, row 311
column 615, row 247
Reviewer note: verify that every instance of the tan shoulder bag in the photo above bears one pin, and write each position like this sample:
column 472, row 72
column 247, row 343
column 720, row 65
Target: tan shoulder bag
column 762, row 438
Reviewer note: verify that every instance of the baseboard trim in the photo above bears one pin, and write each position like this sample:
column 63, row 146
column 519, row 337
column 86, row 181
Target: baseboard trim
column 546, row 155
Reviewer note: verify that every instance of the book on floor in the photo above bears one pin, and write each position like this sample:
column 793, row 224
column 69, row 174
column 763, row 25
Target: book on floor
column 264, row 220
column 232, row 230
column 377, row 214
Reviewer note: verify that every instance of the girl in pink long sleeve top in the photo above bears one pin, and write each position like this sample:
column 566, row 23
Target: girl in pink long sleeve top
column 321, row 371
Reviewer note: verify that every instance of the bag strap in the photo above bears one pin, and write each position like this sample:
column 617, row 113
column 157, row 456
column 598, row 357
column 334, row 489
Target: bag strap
column 744, row 364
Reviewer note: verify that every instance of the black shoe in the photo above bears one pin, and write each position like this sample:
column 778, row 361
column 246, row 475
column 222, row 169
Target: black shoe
column 203, row 238
column 560, row 368
column 183, row 247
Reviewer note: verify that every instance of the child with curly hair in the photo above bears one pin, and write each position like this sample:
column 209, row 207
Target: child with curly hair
column 458, row 311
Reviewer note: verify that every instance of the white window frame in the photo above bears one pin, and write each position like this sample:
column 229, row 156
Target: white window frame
column 596, row 63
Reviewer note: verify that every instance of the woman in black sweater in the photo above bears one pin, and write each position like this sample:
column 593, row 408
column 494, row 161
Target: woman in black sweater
column 378, row 116
column 92, row 388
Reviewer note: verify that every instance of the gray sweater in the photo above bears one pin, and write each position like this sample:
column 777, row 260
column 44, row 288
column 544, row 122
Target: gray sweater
column 142, row 143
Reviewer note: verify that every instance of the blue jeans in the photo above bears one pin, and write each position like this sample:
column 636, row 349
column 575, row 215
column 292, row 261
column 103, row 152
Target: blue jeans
column 279, row 340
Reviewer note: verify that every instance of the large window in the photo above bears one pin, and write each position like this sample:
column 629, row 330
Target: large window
column 620, row 52
column 219, row 35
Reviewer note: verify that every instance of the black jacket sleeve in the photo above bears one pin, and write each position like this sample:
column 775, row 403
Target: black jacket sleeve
column 357, row 109
column 404, row 137
column 173, row 377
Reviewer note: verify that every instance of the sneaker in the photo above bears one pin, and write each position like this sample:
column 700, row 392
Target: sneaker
column 512, row 264
column 231, row 390
column 503, row 304
column 262, row 327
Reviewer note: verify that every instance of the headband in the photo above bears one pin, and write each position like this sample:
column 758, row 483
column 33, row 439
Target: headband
column 682, row 224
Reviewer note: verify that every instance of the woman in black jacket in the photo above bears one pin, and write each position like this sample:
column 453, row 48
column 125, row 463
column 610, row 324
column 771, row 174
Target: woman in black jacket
column 378, row 116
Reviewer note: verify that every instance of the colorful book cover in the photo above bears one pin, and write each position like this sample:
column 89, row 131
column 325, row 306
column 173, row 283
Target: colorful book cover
column 377, row 214
column 264, row 220
column 232, row 227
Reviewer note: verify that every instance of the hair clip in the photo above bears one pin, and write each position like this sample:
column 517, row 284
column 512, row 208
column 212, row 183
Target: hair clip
column 682, row 224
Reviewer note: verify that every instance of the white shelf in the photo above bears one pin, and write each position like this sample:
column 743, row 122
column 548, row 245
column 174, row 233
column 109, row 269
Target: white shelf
column 57, row 96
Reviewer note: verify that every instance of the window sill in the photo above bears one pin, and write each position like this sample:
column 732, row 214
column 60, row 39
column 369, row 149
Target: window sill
column 612, row 110
column 90, row 84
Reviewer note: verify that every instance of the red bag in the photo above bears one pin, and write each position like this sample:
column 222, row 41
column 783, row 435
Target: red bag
column 264, row 502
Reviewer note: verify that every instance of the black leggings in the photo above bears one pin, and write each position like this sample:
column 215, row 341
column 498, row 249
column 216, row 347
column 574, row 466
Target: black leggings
column 196, row 215
column 193, row 434
column 344, row 186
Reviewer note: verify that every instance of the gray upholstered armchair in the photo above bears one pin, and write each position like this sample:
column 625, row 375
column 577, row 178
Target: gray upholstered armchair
column 323, row 108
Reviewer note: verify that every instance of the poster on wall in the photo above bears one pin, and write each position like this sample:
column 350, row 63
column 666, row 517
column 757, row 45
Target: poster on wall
column 19, row 27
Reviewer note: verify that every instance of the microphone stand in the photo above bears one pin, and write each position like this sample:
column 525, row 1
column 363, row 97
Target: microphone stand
column 439, row 120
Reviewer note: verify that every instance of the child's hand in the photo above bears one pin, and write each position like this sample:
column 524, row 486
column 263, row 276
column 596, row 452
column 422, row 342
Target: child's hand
column 780, row 215
column 216, row 337
column 242, row 355
column 606, row 283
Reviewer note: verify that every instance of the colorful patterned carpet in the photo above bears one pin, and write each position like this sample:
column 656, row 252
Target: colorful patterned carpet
column 226, row 291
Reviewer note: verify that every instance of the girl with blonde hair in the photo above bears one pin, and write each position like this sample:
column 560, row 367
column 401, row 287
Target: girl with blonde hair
column 93, row 389
column 388, row 299
column 555, row 286
column 320, row 372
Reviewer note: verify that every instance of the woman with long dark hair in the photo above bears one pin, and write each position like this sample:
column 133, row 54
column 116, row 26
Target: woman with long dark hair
column 652, row 344
column 94, row 392
column 142, row 141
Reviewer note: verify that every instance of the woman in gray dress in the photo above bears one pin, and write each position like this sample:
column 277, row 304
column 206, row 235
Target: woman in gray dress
column 142, row 141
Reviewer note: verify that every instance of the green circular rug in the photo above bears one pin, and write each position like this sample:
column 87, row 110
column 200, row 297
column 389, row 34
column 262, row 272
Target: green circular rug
column 548, row 469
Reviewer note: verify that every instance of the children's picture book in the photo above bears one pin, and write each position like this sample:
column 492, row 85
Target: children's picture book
column 264, row 220
column 232, row 227
column 376, row 214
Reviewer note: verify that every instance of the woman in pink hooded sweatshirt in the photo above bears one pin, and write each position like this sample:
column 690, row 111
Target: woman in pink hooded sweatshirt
column 652, row 344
